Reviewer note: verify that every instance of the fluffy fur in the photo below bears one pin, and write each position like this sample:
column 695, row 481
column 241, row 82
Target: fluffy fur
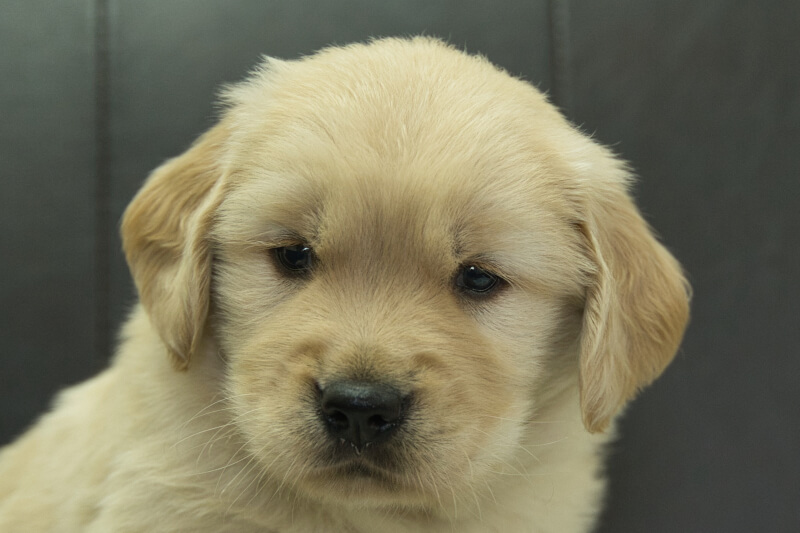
column 399, row 162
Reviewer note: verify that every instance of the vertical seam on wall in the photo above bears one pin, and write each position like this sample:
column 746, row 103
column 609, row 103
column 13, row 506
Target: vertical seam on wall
column 102, row 337
column 560, row 72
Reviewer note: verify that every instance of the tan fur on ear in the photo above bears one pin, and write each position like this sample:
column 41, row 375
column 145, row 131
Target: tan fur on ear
column 164, row 232
column 636, row 309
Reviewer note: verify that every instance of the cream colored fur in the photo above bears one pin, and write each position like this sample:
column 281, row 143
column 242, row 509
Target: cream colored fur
column 398, row 162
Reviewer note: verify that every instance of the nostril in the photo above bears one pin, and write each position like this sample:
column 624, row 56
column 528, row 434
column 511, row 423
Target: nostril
column 379, row 423
column 338, row 419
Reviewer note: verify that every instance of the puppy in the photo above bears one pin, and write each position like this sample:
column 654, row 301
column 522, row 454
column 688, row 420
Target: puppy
column 392, row 290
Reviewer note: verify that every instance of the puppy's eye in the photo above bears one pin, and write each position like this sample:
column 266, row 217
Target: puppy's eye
column 295, row 259
column 475, row 279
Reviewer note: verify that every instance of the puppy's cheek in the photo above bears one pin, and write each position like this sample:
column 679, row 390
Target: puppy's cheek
column 461, row 406
column 272, row 395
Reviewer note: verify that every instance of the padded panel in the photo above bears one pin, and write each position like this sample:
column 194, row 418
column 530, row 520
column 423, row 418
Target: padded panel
column 46, row 204
column 704, row 99
column 170, row 58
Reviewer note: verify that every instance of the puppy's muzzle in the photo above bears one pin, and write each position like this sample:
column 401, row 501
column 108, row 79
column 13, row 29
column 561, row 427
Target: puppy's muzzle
column 361, row 413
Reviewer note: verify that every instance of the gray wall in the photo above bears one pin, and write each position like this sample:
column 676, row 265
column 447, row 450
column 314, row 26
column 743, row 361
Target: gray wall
column 702, row 97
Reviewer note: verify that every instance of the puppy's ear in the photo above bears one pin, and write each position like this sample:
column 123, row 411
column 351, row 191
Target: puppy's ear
column 637, row 306
column 165, row 237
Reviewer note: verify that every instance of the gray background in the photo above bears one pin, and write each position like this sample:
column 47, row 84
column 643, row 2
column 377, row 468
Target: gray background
column 702, row 97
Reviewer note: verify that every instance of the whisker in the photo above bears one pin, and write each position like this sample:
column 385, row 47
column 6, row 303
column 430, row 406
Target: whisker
column 267, row 473
column 225, row 398
column 525, row 421
column 175, row 445
column 246, row 443
column 538, row 444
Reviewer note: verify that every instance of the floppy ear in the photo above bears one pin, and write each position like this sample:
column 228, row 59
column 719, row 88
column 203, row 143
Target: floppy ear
column 637, row 306
column 164, row 235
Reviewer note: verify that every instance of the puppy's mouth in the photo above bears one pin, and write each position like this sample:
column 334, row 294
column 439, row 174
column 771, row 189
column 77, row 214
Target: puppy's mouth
column 345, row 459
column 357, row 476
column 361, row 469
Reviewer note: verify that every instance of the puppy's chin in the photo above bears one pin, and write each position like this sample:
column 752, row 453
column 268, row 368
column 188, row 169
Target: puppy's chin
column 387, row 475
column 375, row 476
column 360, row 483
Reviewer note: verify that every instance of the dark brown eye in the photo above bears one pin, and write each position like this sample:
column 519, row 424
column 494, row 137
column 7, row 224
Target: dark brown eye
column 296, row 259
column 475, row 279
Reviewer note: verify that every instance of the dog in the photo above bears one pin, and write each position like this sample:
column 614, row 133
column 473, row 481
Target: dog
column 392, row 290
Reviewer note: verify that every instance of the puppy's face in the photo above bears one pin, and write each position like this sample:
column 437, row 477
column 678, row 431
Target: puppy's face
column 403, row 254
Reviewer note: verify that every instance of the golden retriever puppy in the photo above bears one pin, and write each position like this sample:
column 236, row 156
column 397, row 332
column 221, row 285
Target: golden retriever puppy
column 393, row 290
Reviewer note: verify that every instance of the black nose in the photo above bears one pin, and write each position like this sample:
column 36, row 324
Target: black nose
column 361, row 413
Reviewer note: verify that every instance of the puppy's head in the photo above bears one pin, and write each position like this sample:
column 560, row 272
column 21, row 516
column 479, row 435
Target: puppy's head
column 399, row 248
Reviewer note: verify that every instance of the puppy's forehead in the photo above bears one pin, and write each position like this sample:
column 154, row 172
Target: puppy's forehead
column 399, row 140
column 410, row 99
